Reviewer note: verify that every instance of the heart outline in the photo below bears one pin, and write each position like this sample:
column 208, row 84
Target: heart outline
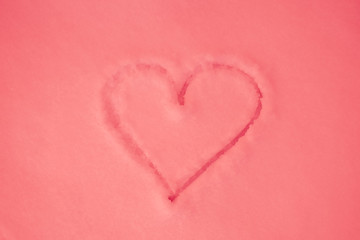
column 114, row 120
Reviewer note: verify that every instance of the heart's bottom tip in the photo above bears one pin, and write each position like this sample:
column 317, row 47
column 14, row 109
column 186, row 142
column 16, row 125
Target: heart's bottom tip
column 172, row 197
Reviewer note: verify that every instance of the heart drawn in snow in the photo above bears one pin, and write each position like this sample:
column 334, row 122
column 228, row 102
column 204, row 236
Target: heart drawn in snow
column 180, row 132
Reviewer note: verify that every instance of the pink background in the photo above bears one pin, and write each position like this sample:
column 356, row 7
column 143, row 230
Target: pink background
column 63, row 176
